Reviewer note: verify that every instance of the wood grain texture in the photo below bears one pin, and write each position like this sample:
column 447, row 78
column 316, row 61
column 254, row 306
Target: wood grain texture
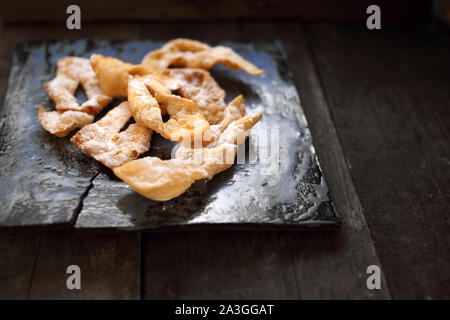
column 18, row 253
column 216, row 265
column 389, row 96
column 109, row 263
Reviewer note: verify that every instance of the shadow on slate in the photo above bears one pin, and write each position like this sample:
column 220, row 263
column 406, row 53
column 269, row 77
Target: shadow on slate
column 47, row 181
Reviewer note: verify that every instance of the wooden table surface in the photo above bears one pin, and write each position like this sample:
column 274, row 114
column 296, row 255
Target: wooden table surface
column 377, row 104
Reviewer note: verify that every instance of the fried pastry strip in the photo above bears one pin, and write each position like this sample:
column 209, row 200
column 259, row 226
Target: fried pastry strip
column 165, row 179
column 61, row 123
column 234, row 134
column 199, row 86
column 194, row 54
column 71, row 71
column 113, row 74
column 103, row 141
column 194, row 84
column 234, row 111
column 158, row 179
column 148, row 96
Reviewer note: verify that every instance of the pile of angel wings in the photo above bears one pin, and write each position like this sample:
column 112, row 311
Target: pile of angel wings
column 172, row 81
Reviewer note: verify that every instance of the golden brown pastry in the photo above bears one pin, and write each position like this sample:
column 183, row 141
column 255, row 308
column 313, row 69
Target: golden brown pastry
column 71, row 72
column 208, row 131
column 234, row 111
column 113, row 74
column 199, row 86
column 194, row 54
column 104, row 142
column 61, row 123
column 158, row 179
column 148, row 95
column 194, row 84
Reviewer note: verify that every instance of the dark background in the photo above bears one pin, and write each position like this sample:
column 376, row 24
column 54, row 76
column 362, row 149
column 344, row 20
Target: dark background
column 377, row 104
column 203, row 10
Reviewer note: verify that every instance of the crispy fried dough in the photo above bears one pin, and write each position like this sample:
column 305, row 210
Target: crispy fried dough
column 194, row 54
column 71, row 71
column 61, row 123
column 148, row 95
column 234, row 134
column 158, row 179
column 194, row 84
column 237, row 131
column 199, row 86
column 103, row 141
column 207, row 130
column 165, row 179
column 113, row 74
column 234, row 111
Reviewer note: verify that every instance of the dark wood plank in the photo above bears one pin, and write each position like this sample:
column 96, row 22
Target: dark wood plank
column 15, row 34
column 109, row 263
column 389, row 96
column 217, row 265
column 18, row 253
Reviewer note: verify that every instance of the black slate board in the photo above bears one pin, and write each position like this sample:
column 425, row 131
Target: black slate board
column 45, row 180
